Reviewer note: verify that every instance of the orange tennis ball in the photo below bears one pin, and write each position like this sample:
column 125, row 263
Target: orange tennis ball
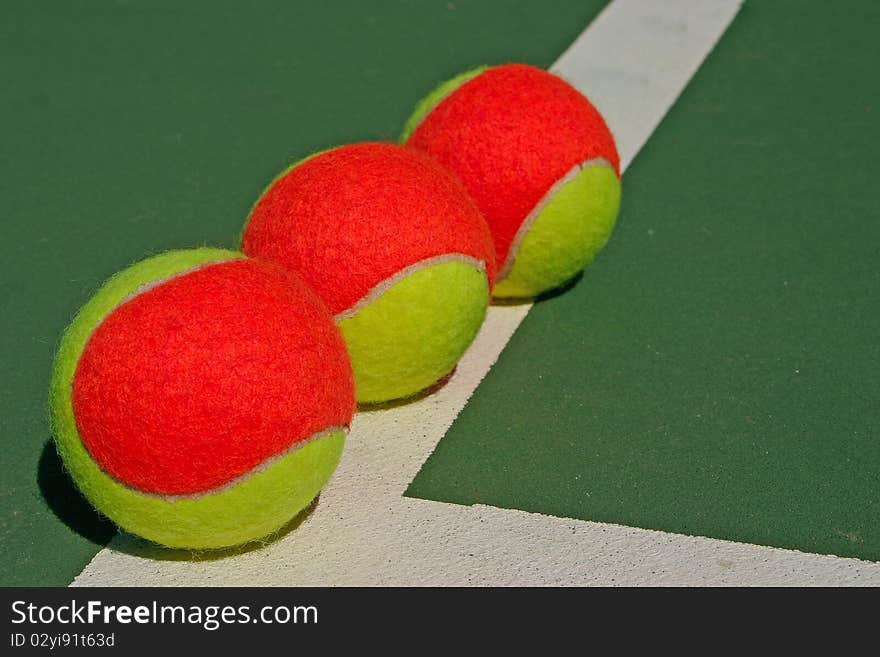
column 539, row 161
column 200, row 399
column 396, row 249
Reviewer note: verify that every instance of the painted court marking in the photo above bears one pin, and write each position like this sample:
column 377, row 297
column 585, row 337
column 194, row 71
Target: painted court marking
column 633, row 61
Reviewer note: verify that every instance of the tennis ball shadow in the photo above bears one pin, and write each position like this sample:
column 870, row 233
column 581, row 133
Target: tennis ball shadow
column 66, row 502
column 562, row 289
column 368, row 407
column 544, row 296
column 70, row 507
column 141, row 547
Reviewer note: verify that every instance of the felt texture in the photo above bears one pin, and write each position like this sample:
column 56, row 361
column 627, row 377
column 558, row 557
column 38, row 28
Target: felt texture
column 204, row 376
column 430, row 101
column 351, row 219
column 391, row 353
column 560, row 229
column 509, row 133
column 195, row 380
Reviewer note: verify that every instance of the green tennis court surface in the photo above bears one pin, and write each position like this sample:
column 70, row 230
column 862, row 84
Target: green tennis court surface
column 714, row 372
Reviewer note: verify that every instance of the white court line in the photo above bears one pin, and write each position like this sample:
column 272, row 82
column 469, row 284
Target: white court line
column 633, row 61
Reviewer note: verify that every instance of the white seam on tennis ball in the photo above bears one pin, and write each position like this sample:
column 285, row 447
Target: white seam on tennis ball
column 275, row 179
column 263, row 465
column 138, row 291
column 442, row 98
column 143, row 288
column 378, row 290
column 551, row 193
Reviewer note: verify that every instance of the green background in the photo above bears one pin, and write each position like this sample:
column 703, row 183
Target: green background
column 129, row 128
column 717, row 370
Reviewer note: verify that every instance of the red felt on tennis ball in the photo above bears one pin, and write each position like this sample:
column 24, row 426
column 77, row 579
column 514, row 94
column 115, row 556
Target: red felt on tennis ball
column 200, row 399
column 395, row 247
column 538, row 159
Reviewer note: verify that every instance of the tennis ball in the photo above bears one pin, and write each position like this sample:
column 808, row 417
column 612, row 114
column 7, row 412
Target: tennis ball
column 396, row 249
column 539, row 161
column 201, row 399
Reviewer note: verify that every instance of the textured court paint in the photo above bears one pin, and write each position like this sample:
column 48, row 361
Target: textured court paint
column 715, row 371
column 117, row 148
column 396, row 540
